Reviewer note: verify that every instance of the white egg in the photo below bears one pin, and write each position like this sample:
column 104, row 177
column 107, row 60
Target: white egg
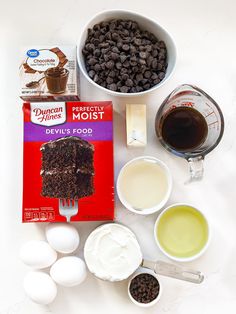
column 38, row 254
column 63, row 237
column 69, row 271
column 40, row 287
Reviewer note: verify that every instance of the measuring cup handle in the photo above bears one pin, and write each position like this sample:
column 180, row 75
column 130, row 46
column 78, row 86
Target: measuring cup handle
column 179, row 272
column 174, row 271
column 196, row 168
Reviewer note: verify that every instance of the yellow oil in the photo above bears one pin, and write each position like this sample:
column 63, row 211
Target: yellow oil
column 182, row 231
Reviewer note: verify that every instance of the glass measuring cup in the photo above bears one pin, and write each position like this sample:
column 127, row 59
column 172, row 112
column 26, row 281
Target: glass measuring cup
column 193, row 97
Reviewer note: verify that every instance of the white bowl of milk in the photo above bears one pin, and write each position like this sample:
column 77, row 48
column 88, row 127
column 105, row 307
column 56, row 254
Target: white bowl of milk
column 144, row 185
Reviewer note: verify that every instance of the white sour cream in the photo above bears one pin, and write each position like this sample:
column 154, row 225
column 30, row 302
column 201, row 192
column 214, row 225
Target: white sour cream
column 112, row 252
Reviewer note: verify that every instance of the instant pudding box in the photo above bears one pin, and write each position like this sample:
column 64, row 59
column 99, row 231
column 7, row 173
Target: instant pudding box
column 68, row 161
column 49, row 73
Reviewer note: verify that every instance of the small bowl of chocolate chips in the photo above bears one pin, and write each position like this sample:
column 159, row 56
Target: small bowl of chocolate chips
column 125, row 54
column 144, row 289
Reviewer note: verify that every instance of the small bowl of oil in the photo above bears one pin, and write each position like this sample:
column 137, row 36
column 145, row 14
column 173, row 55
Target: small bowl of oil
column 182, row 232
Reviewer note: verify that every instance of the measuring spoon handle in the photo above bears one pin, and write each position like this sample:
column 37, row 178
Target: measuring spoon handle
column 174, row 271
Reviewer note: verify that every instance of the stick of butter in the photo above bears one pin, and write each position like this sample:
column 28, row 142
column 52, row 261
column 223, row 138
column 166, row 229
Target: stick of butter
column 136, row 128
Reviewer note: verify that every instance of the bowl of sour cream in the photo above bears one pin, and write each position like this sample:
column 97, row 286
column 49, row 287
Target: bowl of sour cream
column 112, row 252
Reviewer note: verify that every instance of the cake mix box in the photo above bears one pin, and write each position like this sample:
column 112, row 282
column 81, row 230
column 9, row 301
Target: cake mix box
column 68, row 161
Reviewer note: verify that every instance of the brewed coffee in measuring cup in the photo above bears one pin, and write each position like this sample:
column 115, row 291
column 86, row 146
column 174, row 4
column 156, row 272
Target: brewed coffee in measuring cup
column 190, row 124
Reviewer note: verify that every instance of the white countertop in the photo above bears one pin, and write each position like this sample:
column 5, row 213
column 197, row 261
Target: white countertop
column 204, row 32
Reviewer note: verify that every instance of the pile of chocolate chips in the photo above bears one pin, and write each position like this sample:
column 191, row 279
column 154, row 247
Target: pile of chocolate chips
column 144, row 288
column 124, row 58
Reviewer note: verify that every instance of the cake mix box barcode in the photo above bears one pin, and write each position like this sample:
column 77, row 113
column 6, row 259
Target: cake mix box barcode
column 68, row 161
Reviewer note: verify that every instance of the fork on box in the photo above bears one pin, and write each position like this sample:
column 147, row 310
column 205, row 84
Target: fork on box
column 68, row 208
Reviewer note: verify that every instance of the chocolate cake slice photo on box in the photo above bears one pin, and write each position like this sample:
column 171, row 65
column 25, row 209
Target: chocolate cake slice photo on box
column 67, row 168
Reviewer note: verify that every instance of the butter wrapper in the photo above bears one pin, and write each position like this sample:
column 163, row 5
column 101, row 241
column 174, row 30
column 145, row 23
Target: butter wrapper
column 136, row 128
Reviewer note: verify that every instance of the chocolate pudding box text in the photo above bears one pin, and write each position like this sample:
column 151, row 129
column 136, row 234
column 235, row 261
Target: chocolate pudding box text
column 68, row 157
column 49, row 73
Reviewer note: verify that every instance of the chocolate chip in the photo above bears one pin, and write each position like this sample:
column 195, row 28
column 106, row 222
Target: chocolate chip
column 115, row 36
column 159, row 66
column 97, row 67
column 118, row 65
column 125, row 77
column 92, row 61
column 123, row 71
column 162, row 44
column 146, row 86
column 123, row 58
column 101, row 38
column 109, row 80
column 96, row 27
column 133, row 90
column 135, row 69
column 147, row 74
column 115, row 49
column 108, row 35
column 97, row 52
column 149, row 61
column 144, row 81
column 114, row 56
column 95, row 78
column 126, row 64
column 161, row 56
column 161, row 75
column 110, row 64
column 91, row 73
column 124, row 89
column 137, row 41
column 119, row 44
column 112, row 74
column 103, row 66
column 154, row 76
column 91, row 47
column 119, row 84
column 133, row 58
column 154, row 53
column 157, row 81
column 154, row 63
column 104, row 44
column 143, row 55
column 113, row 87
column 139, row 89
column 139, row 77
column 125, row 47
column 85, row 52
column 141, row 61
column 129, row 83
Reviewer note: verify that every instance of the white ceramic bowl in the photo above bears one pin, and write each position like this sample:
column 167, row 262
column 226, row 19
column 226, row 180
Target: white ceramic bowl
column 181, row 259
column 145, row 305
column 145, row 23
column 87, row 249
column 157, row 207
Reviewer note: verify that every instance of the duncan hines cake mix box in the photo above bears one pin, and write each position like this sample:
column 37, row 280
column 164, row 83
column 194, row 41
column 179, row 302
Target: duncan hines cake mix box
column 49, row 73
column 68, row 161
